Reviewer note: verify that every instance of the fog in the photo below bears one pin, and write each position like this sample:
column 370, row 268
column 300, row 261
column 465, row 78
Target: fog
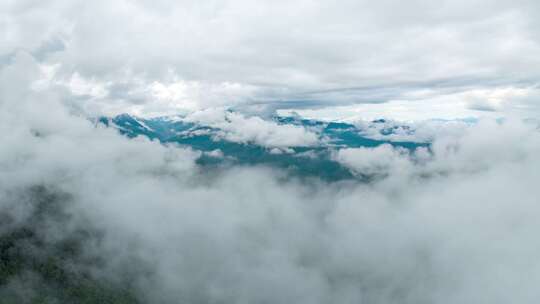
column 454, row 224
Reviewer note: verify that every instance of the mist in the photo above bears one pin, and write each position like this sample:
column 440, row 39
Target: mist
column 132, row 220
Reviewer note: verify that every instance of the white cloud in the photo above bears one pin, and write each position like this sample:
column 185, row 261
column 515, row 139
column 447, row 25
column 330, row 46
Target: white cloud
column 433, row 233
column 236, row 52
column 382, row 160
column 238, row 128
column 458, row 227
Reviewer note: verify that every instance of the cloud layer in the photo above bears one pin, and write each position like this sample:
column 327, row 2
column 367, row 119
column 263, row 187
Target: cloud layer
column 455, row 225
column 167, row 56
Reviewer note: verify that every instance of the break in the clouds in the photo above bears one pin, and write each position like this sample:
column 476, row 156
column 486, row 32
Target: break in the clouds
column 155, row 57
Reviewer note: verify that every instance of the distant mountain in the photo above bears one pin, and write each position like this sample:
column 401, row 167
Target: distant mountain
column 218, row 150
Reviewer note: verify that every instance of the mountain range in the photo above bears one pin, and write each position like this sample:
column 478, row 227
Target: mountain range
column 313, row 160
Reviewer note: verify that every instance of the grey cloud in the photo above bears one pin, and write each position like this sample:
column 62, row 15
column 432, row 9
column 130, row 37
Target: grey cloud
column 481, row 106
column 285, row 48
column 49, row 47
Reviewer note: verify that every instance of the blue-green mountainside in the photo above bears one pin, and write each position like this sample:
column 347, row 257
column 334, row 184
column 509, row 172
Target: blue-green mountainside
column 303, row 160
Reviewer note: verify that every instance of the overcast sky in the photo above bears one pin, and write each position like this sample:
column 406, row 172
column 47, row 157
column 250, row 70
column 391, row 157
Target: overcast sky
column 162, row 56
column 455, row 223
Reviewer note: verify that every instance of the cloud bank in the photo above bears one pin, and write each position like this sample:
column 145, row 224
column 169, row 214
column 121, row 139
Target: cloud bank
column 456, row 224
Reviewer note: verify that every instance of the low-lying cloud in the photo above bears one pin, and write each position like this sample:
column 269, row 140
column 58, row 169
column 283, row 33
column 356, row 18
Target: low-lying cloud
column 457, row 224
column 236, row 127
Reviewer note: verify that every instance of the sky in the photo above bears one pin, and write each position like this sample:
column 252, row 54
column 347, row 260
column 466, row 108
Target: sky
column 453, row 222
column 150, row 58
